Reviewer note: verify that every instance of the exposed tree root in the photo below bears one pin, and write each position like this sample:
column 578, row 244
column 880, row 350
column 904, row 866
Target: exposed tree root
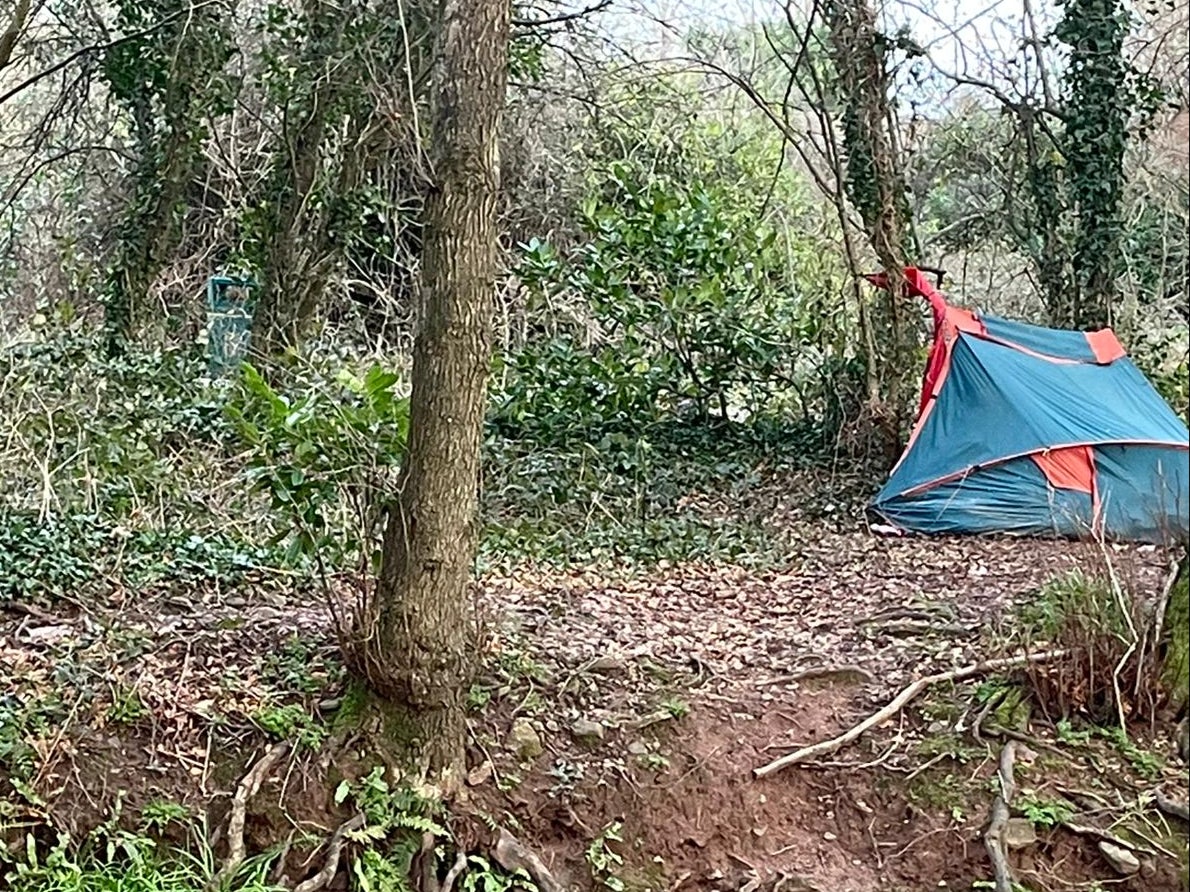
column 897, row 704
column 455, row 871
column 994, row 837
column 512, row 855
column 1105, row 836
column 333, row 853
column 247, row 788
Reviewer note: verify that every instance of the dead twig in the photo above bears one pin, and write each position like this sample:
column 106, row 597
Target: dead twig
column 1125, row 609
column 334, row 851
column 1028, row 739
column 994, row 837
column 926, row 766
column 1106, row 836
column 909, row 627
column 860, row 766
column 993, row 702
column 897, row 704
column 248, row 788
column 1171, row 579
column 814, row 672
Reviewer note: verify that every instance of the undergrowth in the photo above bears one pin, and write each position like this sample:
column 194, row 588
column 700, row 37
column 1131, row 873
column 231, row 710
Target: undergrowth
column 1110, row 670
column 140, row 474
column 637, row 499
column 116, row 860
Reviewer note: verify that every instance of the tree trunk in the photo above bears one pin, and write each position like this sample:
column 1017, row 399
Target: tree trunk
column 419, row 660
column 875, row 186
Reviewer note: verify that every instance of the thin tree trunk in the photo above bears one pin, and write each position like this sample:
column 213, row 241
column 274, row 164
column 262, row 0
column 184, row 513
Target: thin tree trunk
column 8, row 40
column 420, row 658
column 874, row 185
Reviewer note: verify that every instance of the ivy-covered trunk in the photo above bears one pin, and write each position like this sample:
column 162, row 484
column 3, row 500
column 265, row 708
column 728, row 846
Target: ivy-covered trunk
column 1101, row 98
column 875, row 186
column 171, row 83
column 420, row 657
column 289, row 242
column 339, row 134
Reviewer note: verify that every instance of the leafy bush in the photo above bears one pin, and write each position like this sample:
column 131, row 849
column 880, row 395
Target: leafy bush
column 693, row 303
column 560, row 392
column 328, row 445
column 1163, row 354
column 685, row 294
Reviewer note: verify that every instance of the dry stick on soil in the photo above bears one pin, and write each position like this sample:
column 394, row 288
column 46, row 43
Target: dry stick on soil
column 334, row 851
column 898, row 703
column 239, row 809
column 816, row 672
column 993, row 703
column 994, row 838
column 1106, row 836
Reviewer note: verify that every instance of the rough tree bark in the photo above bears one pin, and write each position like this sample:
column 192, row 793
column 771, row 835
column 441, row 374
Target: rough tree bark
column 419, row 659
column 1176, row 661
column 876, row 188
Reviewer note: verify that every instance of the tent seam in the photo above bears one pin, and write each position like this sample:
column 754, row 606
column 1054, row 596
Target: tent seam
column 964, row 472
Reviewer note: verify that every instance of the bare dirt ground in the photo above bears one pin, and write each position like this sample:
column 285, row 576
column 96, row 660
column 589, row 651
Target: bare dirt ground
column 637, row 703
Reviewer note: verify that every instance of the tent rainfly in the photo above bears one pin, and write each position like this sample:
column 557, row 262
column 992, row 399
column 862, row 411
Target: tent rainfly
column 1036, row 431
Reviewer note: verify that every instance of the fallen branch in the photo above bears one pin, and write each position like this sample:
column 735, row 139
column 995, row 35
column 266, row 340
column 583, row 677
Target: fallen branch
column 248, row 788
column 909, row 627
column 994, row 837
column 993, row 702
column 898, row 703
column 330, row 866
column 512, row 856
column 1021, row 737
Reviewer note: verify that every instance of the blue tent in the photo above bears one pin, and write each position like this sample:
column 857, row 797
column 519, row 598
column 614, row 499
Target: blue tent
column 1036, row 431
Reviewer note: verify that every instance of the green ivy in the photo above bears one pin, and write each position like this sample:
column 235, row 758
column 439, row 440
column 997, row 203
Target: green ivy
column 1104, row 99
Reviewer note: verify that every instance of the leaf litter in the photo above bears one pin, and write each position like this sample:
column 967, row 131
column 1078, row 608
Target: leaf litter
column 654, row 694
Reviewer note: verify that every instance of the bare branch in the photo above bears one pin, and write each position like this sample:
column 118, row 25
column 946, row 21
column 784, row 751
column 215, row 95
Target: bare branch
column 563, row 19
